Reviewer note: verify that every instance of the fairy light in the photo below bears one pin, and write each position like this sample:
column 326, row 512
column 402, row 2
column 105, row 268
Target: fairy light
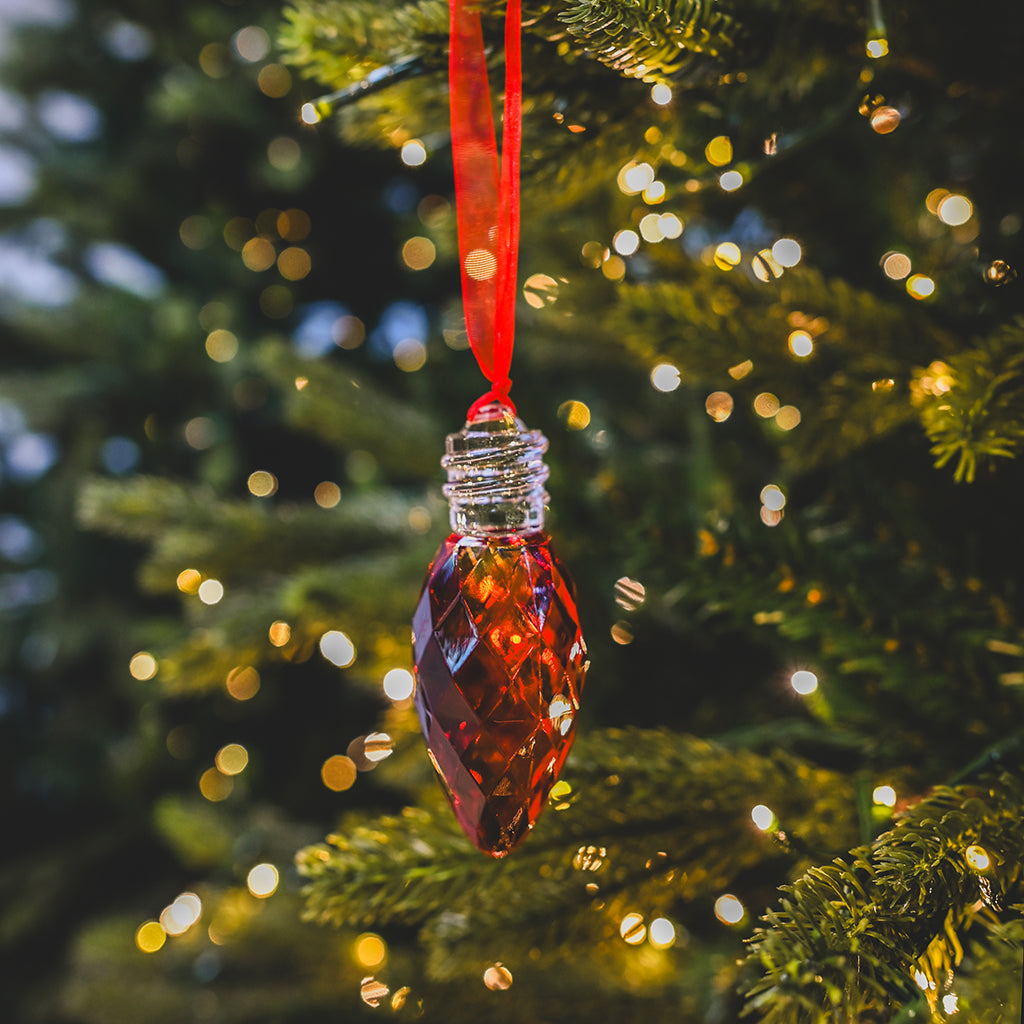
column 803, row 682
column 762, row 816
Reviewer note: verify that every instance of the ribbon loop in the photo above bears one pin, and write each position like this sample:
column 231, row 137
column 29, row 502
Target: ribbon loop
column 486, row 200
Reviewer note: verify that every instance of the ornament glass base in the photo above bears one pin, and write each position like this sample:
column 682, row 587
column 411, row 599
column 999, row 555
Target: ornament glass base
column 498, row 654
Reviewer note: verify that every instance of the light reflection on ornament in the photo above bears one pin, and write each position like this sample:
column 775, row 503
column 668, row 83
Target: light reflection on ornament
column 999, row 272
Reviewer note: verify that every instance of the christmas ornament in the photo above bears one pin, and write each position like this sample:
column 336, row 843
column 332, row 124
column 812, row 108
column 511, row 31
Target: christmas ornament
column 498, row 655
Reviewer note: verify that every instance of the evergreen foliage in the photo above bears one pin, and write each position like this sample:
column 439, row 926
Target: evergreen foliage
column 152, row 364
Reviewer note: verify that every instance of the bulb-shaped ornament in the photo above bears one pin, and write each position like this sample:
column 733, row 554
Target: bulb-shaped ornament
column 498, row 653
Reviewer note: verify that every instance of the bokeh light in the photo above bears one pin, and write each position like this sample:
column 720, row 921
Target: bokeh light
column 262, row 484
column 370, row 950
column 262, row 880
column 787, row 252
column 210, row 591
column 327, row 494
column 632, row 929
column 662, row 933
column 801, row 344
column 665, row 377
column 729, row 910
column 338, row 773
column 803, row 682
column 143, row 666
column 718, row 151
column 232, row 759
column 661, row 94
column 719, row 406
column 885, row 796
column 498, row 977
column 955, row 210
column 399, row 684
column 337, row 648
column 977, row 858
column 150, row 936
column 762, row 816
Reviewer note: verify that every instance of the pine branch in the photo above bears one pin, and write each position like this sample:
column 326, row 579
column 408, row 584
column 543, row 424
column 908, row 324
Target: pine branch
column 651, row 39
column 972, row 406
column 847, row 937
column 645, row 809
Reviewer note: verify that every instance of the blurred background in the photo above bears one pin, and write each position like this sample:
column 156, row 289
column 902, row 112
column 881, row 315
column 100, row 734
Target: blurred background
column 768, row 318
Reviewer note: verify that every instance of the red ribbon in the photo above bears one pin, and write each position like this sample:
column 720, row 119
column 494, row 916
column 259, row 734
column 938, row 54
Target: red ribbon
column 486, row 203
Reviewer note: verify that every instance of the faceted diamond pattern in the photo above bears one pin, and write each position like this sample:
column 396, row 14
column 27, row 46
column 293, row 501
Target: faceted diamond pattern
column 500, row 662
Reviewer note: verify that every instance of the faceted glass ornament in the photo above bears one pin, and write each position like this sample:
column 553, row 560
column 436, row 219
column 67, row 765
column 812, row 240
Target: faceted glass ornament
column 498, row 654
column 500, row 663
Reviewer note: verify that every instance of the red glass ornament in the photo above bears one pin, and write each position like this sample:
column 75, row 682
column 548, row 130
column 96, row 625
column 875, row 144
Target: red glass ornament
column 498, row 654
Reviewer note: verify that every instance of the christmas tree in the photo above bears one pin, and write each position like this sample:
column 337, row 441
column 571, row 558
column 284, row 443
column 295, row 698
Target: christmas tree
column 768, row 317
